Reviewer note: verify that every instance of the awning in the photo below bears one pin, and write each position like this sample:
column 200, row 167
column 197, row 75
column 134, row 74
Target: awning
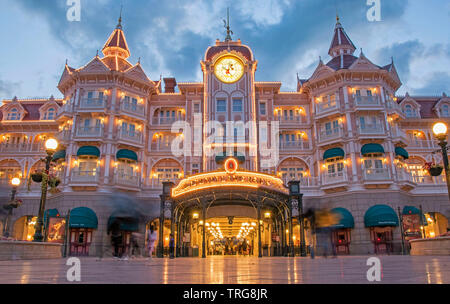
column 221, row 157
column 128, row 220
column 346, row 218
column 88, row 151
column 83, row 217
column 410, row 210
column 372, row 148
column 127, row 154
column 380, row 216
column 50, row 213
column 402, row 152
column 334, row 152
column 61, row 154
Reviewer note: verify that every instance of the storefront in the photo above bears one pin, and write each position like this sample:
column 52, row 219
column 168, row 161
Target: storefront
column 412, row 223
column 82, row 223
column 341, row 233
column 381, row 220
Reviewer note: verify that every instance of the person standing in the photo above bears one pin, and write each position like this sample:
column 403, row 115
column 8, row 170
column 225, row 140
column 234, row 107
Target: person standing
column 172, row 246
column 151, row 237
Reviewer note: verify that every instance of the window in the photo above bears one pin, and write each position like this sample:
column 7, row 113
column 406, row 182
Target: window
column 87, row 165
column 409, row 111
column 335, row 166
column 50, row 114
column 125, row 168
column 237, row 105
column 221, row 105
column 262, row 108
column 13, row 114
column 196, row 108
column 444, row 111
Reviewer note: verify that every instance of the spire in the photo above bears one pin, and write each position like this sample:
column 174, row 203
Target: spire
column 227, row 26
column 341, row 43
column 117, row 45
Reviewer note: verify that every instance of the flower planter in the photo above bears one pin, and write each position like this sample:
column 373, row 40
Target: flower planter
column 57, row 182
column 36, row 177
column 435, row 171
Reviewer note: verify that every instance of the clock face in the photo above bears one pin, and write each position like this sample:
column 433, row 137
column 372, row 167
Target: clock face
column 229, row 69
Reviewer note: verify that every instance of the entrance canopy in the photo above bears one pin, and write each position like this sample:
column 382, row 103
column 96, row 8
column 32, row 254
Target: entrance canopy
column 380, row 216
column 345, row 218
column 83, row 217
column 127, row 220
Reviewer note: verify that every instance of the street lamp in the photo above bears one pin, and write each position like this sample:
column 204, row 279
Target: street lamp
column 15, row 182
column 50, row 145
column 440, row 132
column 294, row 192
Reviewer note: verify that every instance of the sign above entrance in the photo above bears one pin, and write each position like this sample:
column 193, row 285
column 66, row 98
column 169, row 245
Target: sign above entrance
column 231, row 165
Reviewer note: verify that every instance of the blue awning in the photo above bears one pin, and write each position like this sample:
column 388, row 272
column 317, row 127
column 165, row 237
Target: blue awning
column 372, row 148
column 83, row 217
column 88, row 151
column 127, row 154
column 221, row 157
column 409, row 210
column 61, row 154
column 334, row 152
column 128, row 220
column 380, row 216
column 50, row 213
column 345, row 218
column 402, row 152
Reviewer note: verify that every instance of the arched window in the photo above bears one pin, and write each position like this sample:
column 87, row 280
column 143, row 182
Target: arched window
column 409, row 111
column 50, row 114
column 444, row 111
column 13, row 114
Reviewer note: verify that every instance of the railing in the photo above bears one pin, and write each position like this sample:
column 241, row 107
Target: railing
column 133, row 108
column 130, row 135
column 371, row 129
column 63, row 135
column 166, row 146
column 376, row 174
column 292, row 119
column 403, row 175
column 166, row 120
column 157, row 182
column 128, row 180
column 294, row 145
column 429, row 180
column 333, row 178
column 331, row 134
column 93, row 103
column 367, row 100
column 322, row 107
column 304, row 181
column 422, row 144
column 6, row 147
column 68, row 107
column 85, row 176
column 397, row 132
column 90, row 131
column 393, row 105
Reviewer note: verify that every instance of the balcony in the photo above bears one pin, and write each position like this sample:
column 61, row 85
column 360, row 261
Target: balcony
column 93, row 103
column 429, row 180
column 367, row 101
column 371, row 129
column 63, row 135
column 90, row 176
column 330, row 134
column 131, row 136
column 286, row 120
column 162, row 147
column 405, row 179
column 398, row 135
column 422, row 144
column 324, row 107
column 305, row 182
column 127, row 180
column 21, row 148
column 157, row 182
column 165, row 120
column 376, row 174
column 295, row 145
column 90, row 132
column 133, row 109
column 334, row 178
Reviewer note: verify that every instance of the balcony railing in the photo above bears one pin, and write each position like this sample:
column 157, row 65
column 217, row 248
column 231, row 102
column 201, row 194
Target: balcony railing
column 397, row 132
column 294, row 145
column 403, row 175
column 63, row 135
column 331, row 134
column 21, row 148
column 134, row 136
column 90, row 176
column 90, row 131
column 333, row 178
column 376, row 174
column 429, row 180
column 93, row 103
column 157, row 182
column 135, row 109
column 393, row 105
column 308, row 181
column 165, row 120
column 323, row 107
column 371, row 129
column 164, row 146
column 127, row 180
column 422, row 144
column 292, row 119
column 367, row 100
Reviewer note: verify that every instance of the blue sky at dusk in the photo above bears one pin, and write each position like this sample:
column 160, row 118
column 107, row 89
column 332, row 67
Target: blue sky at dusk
column 171, row 37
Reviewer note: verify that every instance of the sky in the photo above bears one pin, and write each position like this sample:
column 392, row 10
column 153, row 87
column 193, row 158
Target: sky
column 171, row 37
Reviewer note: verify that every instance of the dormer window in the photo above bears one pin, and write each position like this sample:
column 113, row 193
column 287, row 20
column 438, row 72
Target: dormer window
column 409, row 111
column 444, row 111
column 13, row 114
column 50, row 114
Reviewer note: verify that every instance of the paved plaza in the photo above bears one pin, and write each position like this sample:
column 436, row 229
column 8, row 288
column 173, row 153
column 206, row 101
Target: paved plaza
column 231, row 270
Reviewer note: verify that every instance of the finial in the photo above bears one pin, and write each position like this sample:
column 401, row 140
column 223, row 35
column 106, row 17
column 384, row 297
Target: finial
column 227, row 26
column 392, row 59
column 67, row 61
column 119, row 25
column 139, row 60
column 97, row 54
column 337, row 18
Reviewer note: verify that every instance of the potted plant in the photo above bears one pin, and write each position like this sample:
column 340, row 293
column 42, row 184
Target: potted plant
column 433, row 169
column 36, row 177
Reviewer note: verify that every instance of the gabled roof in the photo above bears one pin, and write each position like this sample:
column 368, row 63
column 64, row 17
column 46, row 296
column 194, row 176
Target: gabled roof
column 341, row 62
column 137, row 73
column 340, row 39
column 117, row 41
column 96, row 65
column 116, row 63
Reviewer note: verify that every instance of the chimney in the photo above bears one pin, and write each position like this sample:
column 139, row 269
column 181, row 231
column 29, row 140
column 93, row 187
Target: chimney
column 169, row 85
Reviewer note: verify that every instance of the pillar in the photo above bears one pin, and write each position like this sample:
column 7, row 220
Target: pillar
column 259, row 232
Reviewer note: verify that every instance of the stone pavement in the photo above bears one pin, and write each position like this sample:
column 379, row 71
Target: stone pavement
column 239, row 270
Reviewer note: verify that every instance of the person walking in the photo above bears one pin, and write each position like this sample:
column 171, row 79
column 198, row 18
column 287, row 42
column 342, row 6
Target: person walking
column 172, row 246
column 151, row 238
column 116, row 239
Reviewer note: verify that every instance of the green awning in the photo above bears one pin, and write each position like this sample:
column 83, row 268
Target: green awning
column 88, row 151
column 128, row 220
column 346, row 218
column 61, row 154
column 128, row 154
column 83, row 217
column 372, row 148
column 50, row 213
column 221, row 157
column 334, row 152
column 409, row 210
column 380, row 216
column 402, row 152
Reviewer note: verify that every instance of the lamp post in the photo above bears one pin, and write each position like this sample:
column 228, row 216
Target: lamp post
column 50, row 145
column 167, row 186
column 15, row 182
column 440, row 132
column 294, row 192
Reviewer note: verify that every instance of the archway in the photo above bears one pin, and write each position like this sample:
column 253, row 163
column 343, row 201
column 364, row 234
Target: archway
column 9, row 168
column 292, row 168
column 166, row 169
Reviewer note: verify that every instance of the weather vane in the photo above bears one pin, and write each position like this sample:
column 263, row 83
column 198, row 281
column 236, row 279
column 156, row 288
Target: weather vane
column 227, row 26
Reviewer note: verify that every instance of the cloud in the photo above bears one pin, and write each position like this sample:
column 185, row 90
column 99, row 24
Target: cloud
column 8, row 88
